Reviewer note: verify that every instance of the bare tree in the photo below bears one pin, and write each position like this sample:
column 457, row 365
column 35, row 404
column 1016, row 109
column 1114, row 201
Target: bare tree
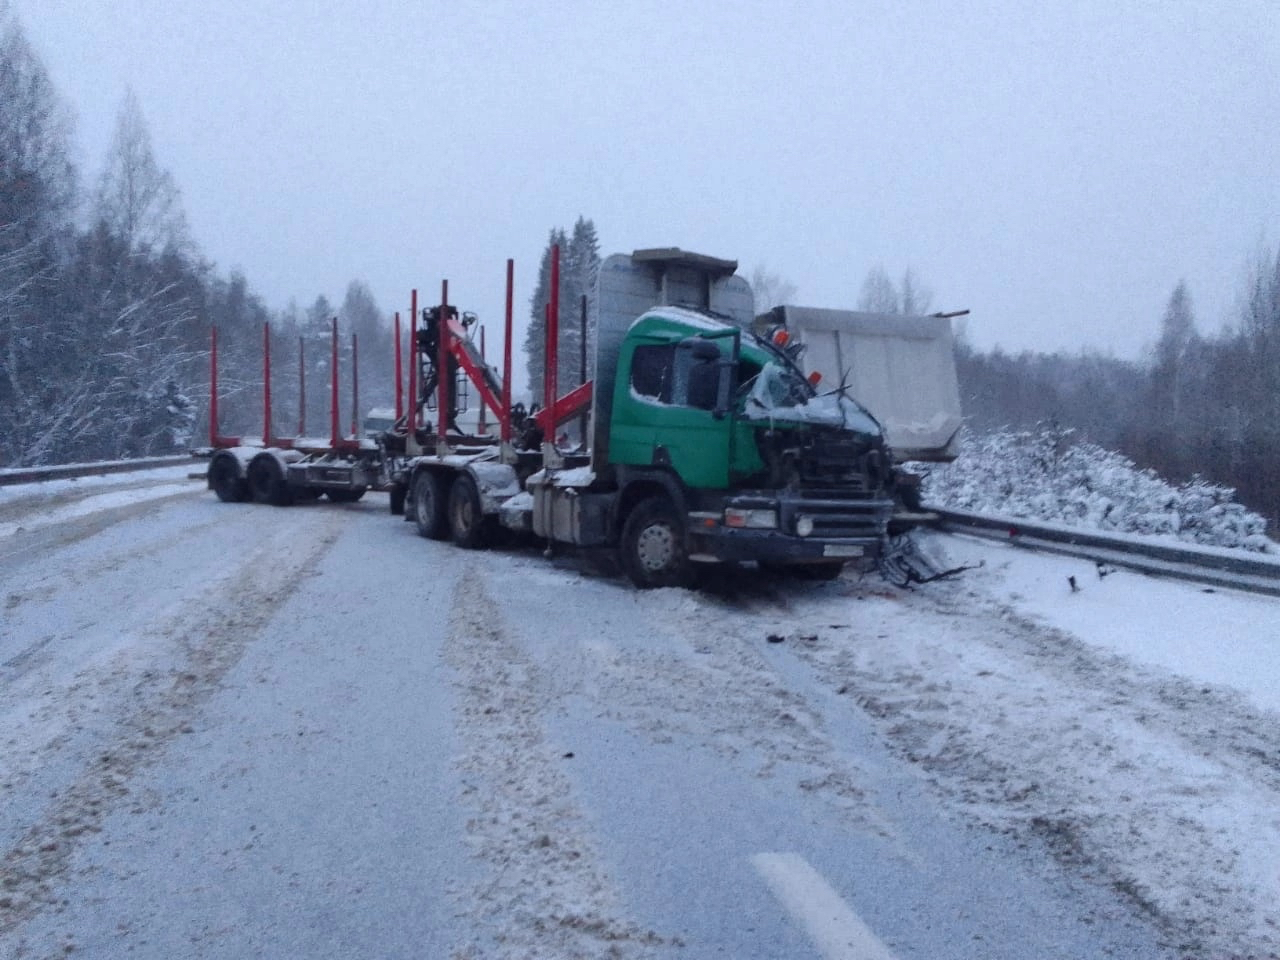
column 770, row 290
column 1177, row 330
column 37, row 178
column 916, row 297
column 879, row 294
column 136, row 198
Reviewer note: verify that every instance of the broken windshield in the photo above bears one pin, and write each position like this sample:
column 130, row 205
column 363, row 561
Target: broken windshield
column 781, row 393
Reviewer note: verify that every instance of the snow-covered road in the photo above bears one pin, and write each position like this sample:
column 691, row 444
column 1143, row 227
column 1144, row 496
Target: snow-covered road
column 232, row 731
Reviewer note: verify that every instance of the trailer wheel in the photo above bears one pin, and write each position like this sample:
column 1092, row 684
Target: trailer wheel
column 267, row 481
column 467, row 523
column 345, row 496
column 429, row 506
column 225, row 480
column 652, row 548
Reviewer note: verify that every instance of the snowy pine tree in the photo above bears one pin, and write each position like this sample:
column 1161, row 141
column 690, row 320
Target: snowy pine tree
column 579, row 264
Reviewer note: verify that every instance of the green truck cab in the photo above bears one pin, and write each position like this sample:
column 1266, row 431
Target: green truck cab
column 740, row 456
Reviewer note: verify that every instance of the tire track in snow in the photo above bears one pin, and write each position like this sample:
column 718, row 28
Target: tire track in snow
column 546, row 895
column 45, row 534
column 161, row 706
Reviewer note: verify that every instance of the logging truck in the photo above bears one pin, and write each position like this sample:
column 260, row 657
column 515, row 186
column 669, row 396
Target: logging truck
column 703, row 441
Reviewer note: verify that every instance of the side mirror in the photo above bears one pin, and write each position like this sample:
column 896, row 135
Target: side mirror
column 724, row 387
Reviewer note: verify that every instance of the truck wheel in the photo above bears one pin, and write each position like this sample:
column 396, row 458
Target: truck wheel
column 467, row 522
column 225, row 480
column 345, row 496
column 267, row 482
column 429, row 506
column 652, row 548
column 398, row 495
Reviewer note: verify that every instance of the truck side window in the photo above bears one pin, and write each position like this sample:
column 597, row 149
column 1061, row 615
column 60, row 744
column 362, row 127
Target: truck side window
column 700, row 379
column 651, row 371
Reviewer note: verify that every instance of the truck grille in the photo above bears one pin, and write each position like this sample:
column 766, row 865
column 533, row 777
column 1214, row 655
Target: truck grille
column 836, row 517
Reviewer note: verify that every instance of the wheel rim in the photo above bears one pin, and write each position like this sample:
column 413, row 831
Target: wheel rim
column 656, row 548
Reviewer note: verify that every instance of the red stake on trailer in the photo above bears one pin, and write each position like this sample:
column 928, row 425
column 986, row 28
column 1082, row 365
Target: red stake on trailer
column 266, row 384
column 333, row 386
column 213, row 386
column 355, row 388
column 302, row 391
column 553, row 338
column 483, row 428
column 413, row 364
column 215, row 439
column 443, row 388
column 399, row 373
column 504, row 415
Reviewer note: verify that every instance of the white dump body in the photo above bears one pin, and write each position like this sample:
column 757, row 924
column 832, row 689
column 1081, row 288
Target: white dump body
column 900, row 368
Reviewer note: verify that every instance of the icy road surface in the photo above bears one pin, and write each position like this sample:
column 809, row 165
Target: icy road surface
column 236, row 731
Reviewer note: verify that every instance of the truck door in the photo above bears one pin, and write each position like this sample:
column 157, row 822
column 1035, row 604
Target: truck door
column 666, row 416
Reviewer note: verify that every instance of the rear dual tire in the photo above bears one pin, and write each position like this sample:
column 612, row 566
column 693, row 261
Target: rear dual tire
column 225, row 479
column 267, row 482
column 429, row 515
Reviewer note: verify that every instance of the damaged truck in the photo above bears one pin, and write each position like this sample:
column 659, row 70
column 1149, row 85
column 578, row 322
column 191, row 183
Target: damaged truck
column 706, row 442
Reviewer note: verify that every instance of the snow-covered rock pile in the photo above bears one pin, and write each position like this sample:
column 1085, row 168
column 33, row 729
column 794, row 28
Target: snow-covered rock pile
column 1048, row 475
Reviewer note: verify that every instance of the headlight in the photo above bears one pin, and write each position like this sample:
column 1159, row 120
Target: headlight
column 757, row 519
column 804, row 526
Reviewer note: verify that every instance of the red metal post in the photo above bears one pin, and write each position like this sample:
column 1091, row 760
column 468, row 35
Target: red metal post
column 444, row 388
column 413, row 364
column 213, row 386
column 399, row 373
column 266, row 384
column 553, row 335
column 504, row 416
column 582, row 371
column 333, row 388
column 302, row 390
column 355, row 387
column 482, row 426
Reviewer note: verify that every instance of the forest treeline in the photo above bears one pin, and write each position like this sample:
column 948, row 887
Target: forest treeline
column 1203, row 405
column 106, row 304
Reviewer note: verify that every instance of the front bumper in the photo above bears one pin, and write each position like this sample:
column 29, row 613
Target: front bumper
column 721, row 543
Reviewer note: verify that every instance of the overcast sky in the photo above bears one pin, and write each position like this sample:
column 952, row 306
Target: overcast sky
column 1055, row 168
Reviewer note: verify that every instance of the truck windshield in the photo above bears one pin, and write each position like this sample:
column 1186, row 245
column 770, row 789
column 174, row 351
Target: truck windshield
column 779, row 392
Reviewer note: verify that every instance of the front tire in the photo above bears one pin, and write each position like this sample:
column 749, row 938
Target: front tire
column 429, row 506
column 652, row 547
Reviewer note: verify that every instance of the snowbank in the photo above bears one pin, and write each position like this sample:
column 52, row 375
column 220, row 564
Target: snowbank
column 1048, row 475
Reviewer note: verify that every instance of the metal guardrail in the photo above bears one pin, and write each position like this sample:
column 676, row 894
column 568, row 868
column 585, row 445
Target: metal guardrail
column 68, row 470
column 1256, row 573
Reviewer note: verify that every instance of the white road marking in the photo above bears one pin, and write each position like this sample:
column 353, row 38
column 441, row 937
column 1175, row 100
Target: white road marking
column 835, row 930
